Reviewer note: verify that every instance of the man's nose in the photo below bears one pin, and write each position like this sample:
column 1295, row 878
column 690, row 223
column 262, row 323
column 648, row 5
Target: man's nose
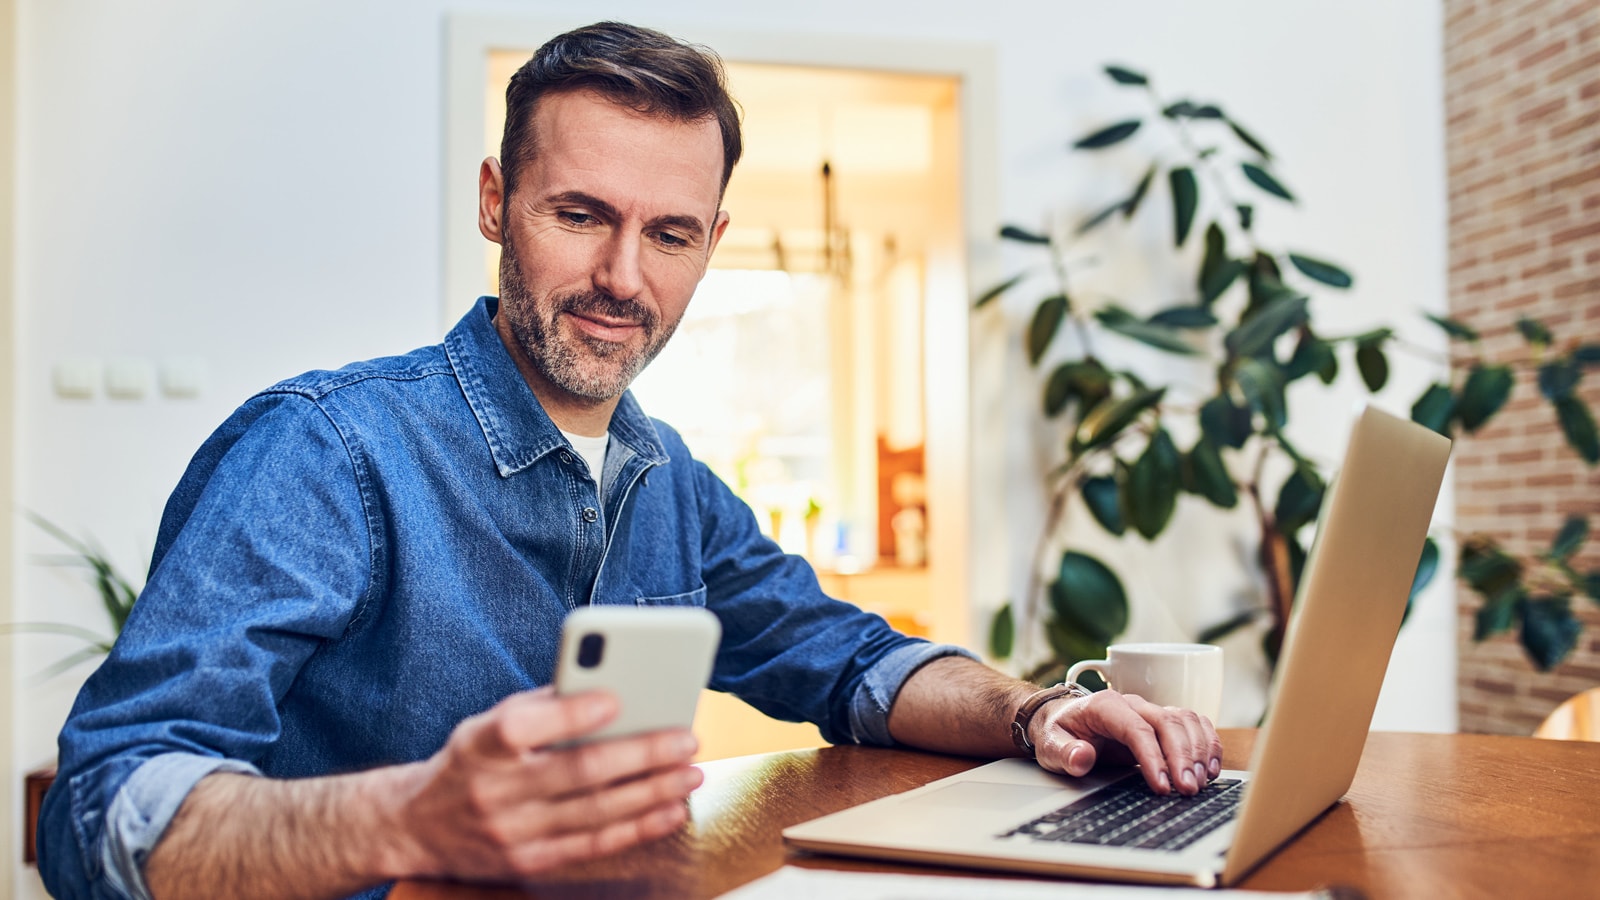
column 618, row 272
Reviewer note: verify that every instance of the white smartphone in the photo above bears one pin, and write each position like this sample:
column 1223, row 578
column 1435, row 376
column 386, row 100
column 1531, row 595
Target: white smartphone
column 655, row 659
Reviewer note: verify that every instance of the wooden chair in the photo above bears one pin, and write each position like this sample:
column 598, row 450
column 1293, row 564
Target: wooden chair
column 1578, row 719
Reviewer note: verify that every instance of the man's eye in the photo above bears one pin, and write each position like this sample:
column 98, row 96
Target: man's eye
column 670, row 239
column 576, row 218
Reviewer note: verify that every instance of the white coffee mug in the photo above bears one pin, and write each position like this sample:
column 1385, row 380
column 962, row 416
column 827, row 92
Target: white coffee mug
column 1186, row 675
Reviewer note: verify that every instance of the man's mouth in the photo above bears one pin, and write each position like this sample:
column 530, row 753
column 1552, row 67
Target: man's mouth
column 605, row 328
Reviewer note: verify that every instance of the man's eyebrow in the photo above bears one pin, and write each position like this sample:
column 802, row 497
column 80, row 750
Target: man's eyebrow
column 689, row 223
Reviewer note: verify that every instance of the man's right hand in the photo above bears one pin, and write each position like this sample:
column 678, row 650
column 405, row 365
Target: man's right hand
column 505, row 799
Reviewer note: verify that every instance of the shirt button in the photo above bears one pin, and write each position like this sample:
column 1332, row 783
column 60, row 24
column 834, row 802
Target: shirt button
column 566, row 457
column 590, row 514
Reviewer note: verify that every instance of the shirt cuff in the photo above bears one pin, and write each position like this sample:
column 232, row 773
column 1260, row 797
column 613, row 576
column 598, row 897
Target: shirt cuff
column 869, row 708
column 142, row 809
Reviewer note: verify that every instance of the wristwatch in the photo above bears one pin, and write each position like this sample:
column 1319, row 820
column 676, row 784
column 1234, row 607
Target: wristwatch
column 1019, row 725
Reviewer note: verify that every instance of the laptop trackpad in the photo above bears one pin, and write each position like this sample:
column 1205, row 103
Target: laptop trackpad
column 982, row 795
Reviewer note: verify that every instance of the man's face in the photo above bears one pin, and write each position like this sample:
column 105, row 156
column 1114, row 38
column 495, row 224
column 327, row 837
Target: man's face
column 608, row 232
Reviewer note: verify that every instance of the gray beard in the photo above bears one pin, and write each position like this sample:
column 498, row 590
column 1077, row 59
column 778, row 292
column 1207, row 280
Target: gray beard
column 583, row 366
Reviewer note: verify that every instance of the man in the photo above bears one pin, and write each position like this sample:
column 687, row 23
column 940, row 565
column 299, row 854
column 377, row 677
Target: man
column 333, row 677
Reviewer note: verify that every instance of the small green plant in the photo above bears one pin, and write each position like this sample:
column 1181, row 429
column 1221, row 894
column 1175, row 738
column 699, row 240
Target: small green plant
column 117, row 595
column 1248, row 319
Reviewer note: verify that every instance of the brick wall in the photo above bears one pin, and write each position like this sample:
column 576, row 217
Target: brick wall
column 1522, row 136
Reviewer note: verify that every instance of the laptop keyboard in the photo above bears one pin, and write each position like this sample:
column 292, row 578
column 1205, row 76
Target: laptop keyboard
column 1128, row 814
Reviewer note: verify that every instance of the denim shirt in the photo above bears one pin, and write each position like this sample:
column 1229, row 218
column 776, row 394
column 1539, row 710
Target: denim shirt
column 357, row 560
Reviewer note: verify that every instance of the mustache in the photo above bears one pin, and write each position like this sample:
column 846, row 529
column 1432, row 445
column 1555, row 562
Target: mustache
column 598, row 303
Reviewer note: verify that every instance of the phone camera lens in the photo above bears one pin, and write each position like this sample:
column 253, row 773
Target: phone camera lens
column 590, row 649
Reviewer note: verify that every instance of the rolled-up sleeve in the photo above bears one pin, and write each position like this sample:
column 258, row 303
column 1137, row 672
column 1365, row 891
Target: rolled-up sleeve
column 875, row 693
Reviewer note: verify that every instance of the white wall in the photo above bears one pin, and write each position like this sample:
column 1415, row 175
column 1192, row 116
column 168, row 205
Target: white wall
column 260, row 186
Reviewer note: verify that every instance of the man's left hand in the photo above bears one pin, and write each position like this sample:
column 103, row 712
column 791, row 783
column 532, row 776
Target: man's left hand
column 1177, row 749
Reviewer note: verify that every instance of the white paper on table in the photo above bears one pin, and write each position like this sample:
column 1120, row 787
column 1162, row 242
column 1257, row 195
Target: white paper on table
column 795, row 883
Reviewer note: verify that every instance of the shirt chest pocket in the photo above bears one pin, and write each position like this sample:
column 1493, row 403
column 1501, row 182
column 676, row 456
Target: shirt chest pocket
column 696, row 597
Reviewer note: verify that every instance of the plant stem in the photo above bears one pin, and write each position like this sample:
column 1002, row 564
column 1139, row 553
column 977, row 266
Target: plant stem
column 1201, row 162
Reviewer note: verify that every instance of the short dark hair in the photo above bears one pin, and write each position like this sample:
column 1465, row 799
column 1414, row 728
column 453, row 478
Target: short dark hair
column 641, row 68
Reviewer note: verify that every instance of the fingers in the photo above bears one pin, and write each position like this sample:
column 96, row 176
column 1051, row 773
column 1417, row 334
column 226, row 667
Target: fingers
column 1177, row 749
column 535, row 719
column 617, row 836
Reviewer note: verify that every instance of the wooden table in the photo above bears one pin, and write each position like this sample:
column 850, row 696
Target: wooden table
column 1429, row 816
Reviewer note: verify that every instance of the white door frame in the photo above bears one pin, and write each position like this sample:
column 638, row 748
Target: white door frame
column 967, row 541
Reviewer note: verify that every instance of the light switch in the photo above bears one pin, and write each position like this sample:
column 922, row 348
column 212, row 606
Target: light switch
column 76, row 377
column 129, row 379
column 183, row 378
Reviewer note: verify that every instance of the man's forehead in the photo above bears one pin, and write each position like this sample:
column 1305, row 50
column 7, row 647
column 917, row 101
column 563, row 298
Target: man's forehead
column 585, row 129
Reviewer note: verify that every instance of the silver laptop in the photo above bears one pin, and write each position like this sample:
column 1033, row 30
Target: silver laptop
column 1012, row 815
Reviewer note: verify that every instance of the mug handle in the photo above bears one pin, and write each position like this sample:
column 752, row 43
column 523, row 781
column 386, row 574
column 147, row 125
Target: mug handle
column 1097, row 666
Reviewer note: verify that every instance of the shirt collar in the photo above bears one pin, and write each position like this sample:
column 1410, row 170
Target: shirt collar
column 516, row 427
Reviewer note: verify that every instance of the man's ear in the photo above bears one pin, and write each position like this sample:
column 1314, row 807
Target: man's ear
column 491, row 199
column 717, row 228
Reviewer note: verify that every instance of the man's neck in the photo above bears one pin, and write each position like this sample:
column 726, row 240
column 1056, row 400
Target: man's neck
column 570, row 413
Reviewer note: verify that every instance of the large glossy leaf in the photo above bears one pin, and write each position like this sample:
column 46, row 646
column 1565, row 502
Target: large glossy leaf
column 1262, row 385
column 1486, row 390
column 1104, row 499
column 1046, row 322
column 1101, row 217
column 1182, row 109
column 1317, row 270
column 998, row 289
column 1022, row 235
column 1249, row 139
column 1070, row 644
column 1264, row 180
column 1210, row 476
column 1534, row 331
column 1374, row 366
column 1494, row 617
column 1159, row 336
column 1185, row 200
column 1085, row 382
column 1106, row 422
column 1256, row 336
column 1088, row 595
column 1549, row 631
column 1311, row 354
column 1150, row 492
column 1107, row 136
column 1002, row 633
column 1225, row 424
column 1574, row 531
column 1193, row 317
column 1489, row 570
column 1435, row 408
column 1122, row 75
column 1578, row 425
column 1131, row 206
column 1207, row 111
column 1456, row 329
column 1587, row 354
column 1216, row 253
column 1558, row 377
column 1298, row 501
column 1220, row 280
column 1427, row 567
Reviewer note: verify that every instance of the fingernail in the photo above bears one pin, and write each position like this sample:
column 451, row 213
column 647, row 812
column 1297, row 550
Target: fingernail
column 1186, row 778
column 1200, row 773
column 685, row 745
column 691, row 779
column 1166, row 783
column 595, row 709
column 1075, row 757
column 1216, row 767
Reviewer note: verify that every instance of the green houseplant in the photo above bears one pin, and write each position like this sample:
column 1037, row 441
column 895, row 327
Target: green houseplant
column 1248, row 317
column 117, row 596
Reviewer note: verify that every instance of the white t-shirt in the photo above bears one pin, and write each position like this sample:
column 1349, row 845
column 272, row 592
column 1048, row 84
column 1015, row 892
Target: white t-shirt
column 593, row 451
